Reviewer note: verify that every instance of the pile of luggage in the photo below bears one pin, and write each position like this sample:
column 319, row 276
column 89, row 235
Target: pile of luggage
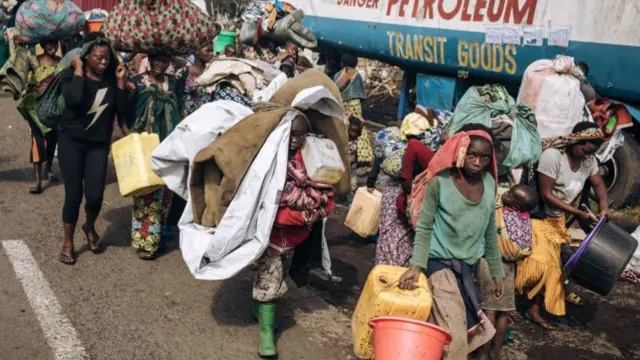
column 277, row 21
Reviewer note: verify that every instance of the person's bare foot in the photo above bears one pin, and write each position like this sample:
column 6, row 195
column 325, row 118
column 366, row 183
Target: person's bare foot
column 535, row 317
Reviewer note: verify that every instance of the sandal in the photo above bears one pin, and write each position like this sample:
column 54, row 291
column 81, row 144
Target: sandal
column 574, row 299
column 94, row 245
column 36, row 190
column 66, row 259
column 146, row 255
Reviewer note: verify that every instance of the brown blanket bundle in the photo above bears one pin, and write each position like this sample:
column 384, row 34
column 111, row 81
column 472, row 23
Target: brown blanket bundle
column 220, row 167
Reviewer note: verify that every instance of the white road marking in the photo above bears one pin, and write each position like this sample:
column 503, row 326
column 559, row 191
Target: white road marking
column 60, row 334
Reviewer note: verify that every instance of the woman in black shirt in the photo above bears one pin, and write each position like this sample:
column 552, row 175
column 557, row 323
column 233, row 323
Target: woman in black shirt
column 94, row 92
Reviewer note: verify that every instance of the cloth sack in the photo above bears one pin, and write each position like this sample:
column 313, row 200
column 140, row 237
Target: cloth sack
column 551, row 88
column 244, row 75
column 170, row 27
column 49, row 19
column 493, row 107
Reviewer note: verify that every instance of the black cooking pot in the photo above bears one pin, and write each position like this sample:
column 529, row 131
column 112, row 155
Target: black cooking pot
column 601, row 258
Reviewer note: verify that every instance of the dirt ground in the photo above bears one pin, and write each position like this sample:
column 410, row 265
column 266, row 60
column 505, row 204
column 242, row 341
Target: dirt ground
column 123, row 308
column 602, row 329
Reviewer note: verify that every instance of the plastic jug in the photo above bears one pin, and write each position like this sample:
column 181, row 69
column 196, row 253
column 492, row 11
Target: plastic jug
column 364, row 215
column 132, row 160
column 224, row 38
column 381, row 296
column 322, row 160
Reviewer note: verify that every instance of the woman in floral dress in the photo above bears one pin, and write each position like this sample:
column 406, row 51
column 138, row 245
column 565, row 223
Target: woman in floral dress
column 157, row 109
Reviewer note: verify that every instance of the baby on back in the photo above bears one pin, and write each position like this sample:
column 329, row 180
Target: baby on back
column 514, row 221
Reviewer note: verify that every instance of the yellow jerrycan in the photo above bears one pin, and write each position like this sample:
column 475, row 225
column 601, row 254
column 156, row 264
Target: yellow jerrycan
column 381, row 296
column 363, row 217
column 132, row 160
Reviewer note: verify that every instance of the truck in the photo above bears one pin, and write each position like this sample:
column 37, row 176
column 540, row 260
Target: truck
column 446, row 46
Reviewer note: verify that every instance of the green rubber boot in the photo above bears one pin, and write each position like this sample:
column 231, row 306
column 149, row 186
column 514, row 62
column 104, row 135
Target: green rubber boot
column 267, row 319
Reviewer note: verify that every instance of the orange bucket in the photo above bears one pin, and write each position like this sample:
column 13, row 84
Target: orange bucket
column 94, row 25
column 407, row 339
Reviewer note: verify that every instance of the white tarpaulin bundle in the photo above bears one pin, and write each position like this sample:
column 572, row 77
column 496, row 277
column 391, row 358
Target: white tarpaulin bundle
column 243, row 233
column 551, row 88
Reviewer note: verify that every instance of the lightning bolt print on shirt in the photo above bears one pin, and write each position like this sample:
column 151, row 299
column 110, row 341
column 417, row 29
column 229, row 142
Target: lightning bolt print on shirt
column 98, row 106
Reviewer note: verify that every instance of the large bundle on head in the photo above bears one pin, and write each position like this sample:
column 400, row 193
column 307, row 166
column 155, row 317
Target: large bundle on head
column 171, row 27
column 219, row 169
column 551, row 88
column 40, row 20
column 517, row 139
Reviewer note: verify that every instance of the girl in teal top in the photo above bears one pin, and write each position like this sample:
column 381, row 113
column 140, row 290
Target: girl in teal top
column 456, row 227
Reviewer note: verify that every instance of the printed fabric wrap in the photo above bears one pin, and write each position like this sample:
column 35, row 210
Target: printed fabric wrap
column 307, row 201
column 156, row 111
column 49, row 19
column 365, row 151
column 514, row 232
column 560, row 142
column 392, row 165
column 153, row 27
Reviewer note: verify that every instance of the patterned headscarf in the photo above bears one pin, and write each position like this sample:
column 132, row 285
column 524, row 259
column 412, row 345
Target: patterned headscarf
column 571, row 139
column 451, row 154
column 415, row 124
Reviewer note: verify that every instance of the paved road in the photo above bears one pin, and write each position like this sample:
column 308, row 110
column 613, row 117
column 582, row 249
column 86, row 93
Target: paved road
column 120, row 306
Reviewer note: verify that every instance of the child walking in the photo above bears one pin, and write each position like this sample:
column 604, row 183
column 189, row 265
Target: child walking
column 514, row 240
column 454, row 229
column 302, row 204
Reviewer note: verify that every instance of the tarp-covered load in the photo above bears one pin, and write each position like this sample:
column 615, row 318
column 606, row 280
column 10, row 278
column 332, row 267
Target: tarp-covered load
column 238, row 166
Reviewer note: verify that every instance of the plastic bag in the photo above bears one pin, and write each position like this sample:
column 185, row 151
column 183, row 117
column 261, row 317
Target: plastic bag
column 169, row 27
column 49, row 19
column 50, row 104
column 551, row 88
